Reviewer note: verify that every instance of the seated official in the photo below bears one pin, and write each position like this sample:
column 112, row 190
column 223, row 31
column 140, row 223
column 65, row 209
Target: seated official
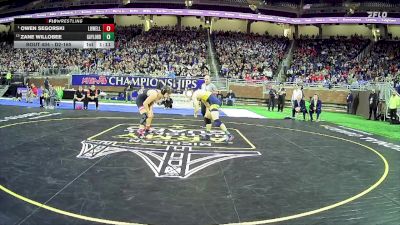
column 167, row 103
column 299, row 105
column 220, row 96
column 18, row 97
column 50, row 97
column 31, row 93
column 92, row 96
column 315, row 107
column 230, row 97
column 79, row 95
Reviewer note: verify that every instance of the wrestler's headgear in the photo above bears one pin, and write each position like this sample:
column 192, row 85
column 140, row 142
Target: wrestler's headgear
column 166, row 89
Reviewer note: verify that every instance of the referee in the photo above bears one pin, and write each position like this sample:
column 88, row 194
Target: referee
column 207, row 86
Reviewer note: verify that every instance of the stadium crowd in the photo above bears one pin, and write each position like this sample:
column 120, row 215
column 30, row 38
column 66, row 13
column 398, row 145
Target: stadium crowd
column 322, row 60
column 249, row 56
column 334, row 61
column 382, row 63
column 159, row 52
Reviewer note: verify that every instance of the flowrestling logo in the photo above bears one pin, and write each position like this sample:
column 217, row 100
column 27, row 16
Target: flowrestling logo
column 363, row 136
column 176, row 151
column 30, row 116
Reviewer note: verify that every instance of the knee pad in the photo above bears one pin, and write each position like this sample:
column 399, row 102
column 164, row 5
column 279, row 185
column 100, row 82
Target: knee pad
column 214, row 110
column 143, row 119
column 207, row 121
column 217, row 123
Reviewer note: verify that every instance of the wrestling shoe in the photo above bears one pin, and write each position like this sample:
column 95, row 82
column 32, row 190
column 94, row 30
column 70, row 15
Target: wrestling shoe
column 205, row 137
column 141, row 133
column 229, row 138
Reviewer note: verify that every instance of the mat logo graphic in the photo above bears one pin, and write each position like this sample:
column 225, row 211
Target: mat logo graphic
column 176, row 151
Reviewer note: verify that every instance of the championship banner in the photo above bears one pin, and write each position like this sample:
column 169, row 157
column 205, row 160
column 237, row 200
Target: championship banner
column 148, row 82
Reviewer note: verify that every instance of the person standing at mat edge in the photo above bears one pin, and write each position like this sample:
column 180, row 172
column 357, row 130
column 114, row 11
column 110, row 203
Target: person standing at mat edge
column 207, row 86
column 128, row 91
column 349, row 101
column 394, row 103
column 373, row 104
column 8, row 78
column 281, row 98
column 145, row 102
column 212, row 104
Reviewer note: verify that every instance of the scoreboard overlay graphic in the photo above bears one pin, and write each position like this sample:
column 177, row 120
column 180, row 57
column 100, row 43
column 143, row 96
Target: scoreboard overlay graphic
column 64, row 33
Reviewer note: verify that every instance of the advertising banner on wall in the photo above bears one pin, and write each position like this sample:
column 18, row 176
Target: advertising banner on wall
column 136, row 81
column 375, row 18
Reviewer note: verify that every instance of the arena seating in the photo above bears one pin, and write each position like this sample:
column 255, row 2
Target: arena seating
column 382, row 63
column 318, row 60
column 243, row 55
column 161, row 51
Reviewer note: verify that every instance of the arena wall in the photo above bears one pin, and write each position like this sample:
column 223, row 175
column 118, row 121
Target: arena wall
column 345, row 30
column 165, row 20
column 271, row 28
column 230, row 25
column 394, row 30
column 326, row 95
column 260, row 92
column 56, row 82
column 4, row 28
column 249, row 91
column 308, row 30
column 191, row 21
column 129, row 20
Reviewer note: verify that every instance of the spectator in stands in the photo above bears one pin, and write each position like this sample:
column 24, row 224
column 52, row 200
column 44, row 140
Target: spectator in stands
column 394, row 103
column 171, row 74
column 299, row 105
column 349, row 100
column 398, row 88
column 128, row 91
column 373, row 104
column 230, row 98
column 281, row 98
column 79, row 95
column 272, row 96
column 249, row 56
column 315, row 107
column 92, row 96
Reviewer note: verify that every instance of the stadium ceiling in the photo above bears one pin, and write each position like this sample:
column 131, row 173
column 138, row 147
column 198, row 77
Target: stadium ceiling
column 289, row 8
